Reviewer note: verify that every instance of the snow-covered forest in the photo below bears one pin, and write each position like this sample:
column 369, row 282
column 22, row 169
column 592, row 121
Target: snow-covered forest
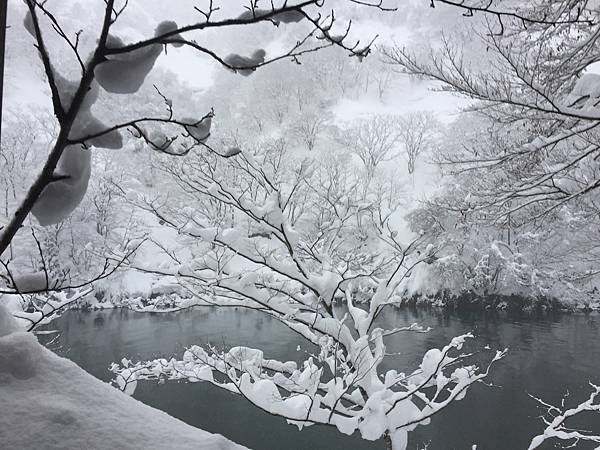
column 300, row 224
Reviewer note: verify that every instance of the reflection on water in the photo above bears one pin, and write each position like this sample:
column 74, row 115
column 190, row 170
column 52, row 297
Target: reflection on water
column 548, row 355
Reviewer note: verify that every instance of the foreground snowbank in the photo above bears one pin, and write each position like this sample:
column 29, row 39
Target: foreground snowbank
column 48, row 402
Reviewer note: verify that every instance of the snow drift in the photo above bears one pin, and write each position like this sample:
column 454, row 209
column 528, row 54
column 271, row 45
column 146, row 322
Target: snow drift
column 48, row 402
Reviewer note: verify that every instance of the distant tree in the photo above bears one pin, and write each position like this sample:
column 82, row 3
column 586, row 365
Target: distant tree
column 309, row 126
column 416, row 132
column 373, row 140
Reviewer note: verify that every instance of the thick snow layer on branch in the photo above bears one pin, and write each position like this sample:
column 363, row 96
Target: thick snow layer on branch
column 85, row 124
column 168, row 26
column 88, row 125
column 67, row 90
column 586, row 92
column 125, row 73
column 28, row 23
column 245, row 65
column 30, row 282
column 61, row 197
column 49, row 402
column 294, row 16
column 200, row 130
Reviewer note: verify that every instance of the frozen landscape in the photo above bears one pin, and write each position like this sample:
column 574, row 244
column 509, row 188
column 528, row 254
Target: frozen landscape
column 321, row 224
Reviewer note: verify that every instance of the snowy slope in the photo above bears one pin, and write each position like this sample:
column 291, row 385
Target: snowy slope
column 48, row 402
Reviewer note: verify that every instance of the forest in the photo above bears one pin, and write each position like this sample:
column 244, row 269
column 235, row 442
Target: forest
column 300, row 224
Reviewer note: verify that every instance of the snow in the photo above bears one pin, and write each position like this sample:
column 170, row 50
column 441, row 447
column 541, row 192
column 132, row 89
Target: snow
column 199, row 130
column 282, row 17
column 586, row 92
column 49, row 402
column 288, row 17
column 90, row 126
column 28, row 23
column 30, row 282
column 8, row 324
column 125, row 73
column 168, row 26
column 61, row 197
column 346, row 425
column 239, row 63
column 233, row 151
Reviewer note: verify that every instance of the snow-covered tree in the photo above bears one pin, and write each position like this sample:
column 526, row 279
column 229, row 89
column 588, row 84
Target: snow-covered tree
column 108, row 66
column 535, row 86
column 373, row 140
column 519, row 202
column 294, row 251
column 417, row 132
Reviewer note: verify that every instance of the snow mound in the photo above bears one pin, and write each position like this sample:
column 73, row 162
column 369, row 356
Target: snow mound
column 48, row 402
column 19, row 355
column 8, row 324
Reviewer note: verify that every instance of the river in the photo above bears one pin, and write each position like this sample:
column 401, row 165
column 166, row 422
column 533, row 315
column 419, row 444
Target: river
column 549, row 354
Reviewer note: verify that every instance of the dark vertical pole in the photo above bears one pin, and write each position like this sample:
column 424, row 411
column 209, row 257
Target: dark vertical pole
column 3, row 7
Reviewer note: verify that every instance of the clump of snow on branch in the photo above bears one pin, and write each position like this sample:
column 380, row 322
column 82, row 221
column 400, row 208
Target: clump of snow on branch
column 124, row 73
column 64, row 194
column 585, row 93
column 169, row 26
column 199, row 130
column 28, row 24
column 293, row 16
column 245, row 65
column 351, row 398
column 33, row 307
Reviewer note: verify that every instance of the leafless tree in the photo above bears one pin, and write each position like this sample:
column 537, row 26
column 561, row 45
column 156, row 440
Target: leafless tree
column 417, row 131
column 120, row 68
column 373, row 140
column 308, row 127
column 69, row 98
column 295, row 273
column 532, row 87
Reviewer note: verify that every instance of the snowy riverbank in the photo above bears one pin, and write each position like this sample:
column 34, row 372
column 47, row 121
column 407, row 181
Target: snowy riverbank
column 49, row 402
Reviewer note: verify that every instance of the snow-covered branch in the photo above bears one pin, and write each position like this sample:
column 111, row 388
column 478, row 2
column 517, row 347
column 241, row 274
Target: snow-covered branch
column 556, row 418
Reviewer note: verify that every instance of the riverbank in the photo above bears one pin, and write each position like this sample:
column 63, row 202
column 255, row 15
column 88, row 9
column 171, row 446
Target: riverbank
column 472, row 302
column 49, row 402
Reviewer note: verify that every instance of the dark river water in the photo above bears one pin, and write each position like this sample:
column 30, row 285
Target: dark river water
column 548, row 355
